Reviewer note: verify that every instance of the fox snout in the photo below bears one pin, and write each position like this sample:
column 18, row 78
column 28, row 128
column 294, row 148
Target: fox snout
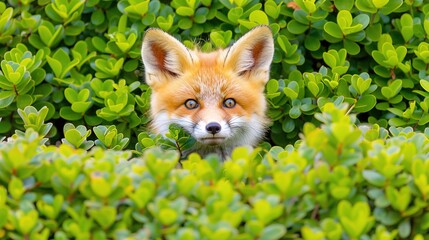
column 212, row 131
column 213, row 128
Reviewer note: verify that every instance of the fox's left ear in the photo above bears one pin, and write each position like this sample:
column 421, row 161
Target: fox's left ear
column 164, row 54
column 252, row 53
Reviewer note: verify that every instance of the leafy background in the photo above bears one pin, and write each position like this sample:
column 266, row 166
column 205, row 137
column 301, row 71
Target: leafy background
column 71, row 76
column 81, row 59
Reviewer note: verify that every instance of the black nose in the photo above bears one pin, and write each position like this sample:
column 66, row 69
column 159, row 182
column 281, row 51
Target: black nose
column 213, row 127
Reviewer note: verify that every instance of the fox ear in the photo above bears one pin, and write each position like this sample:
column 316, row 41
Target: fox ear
column 162, row 53
column 251, row 53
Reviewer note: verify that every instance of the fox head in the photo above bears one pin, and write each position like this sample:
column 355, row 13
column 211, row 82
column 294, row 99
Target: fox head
column 217, row 97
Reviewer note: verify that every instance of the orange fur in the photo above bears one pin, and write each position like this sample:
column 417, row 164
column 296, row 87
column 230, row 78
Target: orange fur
column 240, row 72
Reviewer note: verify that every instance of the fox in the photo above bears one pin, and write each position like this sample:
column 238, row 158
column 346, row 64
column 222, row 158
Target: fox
column 217, row 97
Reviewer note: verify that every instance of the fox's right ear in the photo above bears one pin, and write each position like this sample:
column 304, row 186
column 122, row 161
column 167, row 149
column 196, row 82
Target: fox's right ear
column 164, row 54
column 252, row 53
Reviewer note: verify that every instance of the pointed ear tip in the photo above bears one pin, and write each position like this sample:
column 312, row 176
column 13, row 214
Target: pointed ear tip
column 152, row 29
column 262, row 32
column 151, row 32
column 264, row 28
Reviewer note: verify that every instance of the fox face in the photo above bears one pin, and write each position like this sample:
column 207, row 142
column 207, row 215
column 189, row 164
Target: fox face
column 217, row 97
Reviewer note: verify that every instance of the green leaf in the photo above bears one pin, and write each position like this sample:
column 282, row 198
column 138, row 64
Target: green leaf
column 392, row 90
column 301, row 16
column 373, row 32
column 351, row 47
column 391, row 6
column 185, row 23
column 97, row 17
column 100, row 186
column 5, row 126
column 272, row 9
column 333, row 29
column 105, row 216
column 314, row 88
column 185, row 11
column 74, row 137
column 273, row 86
column 366, row 6
column 296, row 27
column 16, row 188
column 24, row 100
column 365, row 103
column 262, row 210
column 288, row 126
column 99, row 44
column 273, row 232
column 374, row 177
column 399, row 199
column 27, row 220
column 340, row 130
column 83, row 95
column 45, row 35
column 167, row 216
column 6, row 98
column 295, row 112
column 221, row 39
column 67, row 113
column 71, row 95
column 312, row 43
column 407, row 27
column 425, row 221
column 80, row 107
column 259, row 17
column 55, row 65
column 361, row 19
column 404, row 228
column 331, row 228
column 165, row 23
column 424, row 84
column 329, row 59
column 344, row 20
column 354, row 219
column 387, row 217
column 235, row 14
column 292, row 90
column 380, row 3
column 343, row 4
column 4, row 213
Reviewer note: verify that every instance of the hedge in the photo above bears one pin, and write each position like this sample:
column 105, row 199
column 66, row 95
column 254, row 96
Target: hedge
column 81, row 59
column 339, row 182
column 79, row 162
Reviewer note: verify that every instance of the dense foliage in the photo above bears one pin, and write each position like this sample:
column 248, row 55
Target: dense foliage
column 81, row 59
column 339, row 183
column 73, row 109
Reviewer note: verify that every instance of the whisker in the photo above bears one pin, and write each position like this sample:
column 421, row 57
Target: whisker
column 237, row 123
column 186, row 124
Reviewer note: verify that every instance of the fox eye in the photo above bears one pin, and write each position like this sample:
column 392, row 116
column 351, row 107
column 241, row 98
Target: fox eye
column 191, row 104
column 229, row 103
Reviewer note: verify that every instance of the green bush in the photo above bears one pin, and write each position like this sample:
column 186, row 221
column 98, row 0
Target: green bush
column 81, row 59
column 77, row 160
column 339, row 183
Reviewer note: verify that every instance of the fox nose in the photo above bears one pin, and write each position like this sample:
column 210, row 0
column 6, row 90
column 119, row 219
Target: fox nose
column 213, row 127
